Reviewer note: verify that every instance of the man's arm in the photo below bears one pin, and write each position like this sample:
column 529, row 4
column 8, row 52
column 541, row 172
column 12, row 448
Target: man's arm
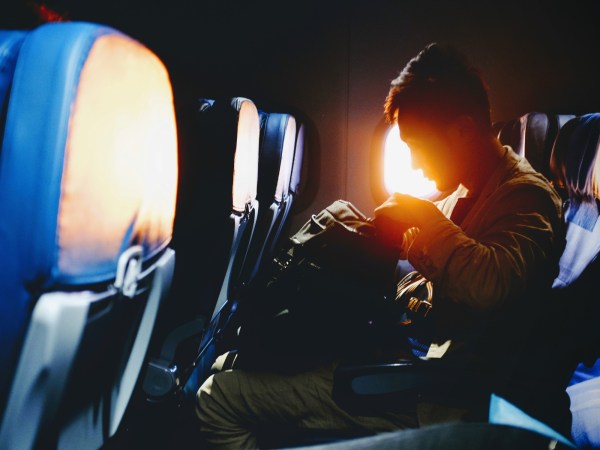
column 512, row 238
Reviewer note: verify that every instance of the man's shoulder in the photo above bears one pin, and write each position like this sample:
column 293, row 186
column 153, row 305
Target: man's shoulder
column 525, row 185
column 522, row 176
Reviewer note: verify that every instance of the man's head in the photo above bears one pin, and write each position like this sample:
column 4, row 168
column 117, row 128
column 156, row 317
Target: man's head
column 441, row 106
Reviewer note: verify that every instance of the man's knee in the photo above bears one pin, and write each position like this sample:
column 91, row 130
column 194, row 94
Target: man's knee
column 222, row 420
column 203, row 411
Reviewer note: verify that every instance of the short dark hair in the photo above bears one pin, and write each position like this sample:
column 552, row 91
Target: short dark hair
column 439, row 84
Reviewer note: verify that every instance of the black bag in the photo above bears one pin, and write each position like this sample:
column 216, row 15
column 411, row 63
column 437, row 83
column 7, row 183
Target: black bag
column 326, row 295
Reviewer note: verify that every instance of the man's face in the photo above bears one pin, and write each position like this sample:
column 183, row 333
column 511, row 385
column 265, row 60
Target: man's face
column 432, row 150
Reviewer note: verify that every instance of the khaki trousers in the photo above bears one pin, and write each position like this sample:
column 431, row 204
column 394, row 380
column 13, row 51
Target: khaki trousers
column 243, row 409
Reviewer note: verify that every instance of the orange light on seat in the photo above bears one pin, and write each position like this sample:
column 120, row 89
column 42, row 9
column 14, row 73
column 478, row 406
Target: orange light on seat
column 120, row 178
column 246, row 157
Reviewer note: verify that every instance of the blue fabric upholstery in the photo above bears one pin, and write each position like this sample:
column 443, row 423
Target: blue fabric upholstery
column 216, row 216
column 532, row 135
column 573, row 161
column 69, row 210
column 276, row 155
column 295, row 182
column 10, row 44
column 538, row 133
column 217, row 202
column 503, row 412
column 575, row 165
column 296, row 179
column 585, row 408
column 585, row 373
column 271, row 164
column 32, row 156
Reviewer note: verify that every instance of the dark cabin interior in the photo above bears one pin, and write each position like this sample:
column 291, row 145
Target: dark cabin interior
column 331, row 63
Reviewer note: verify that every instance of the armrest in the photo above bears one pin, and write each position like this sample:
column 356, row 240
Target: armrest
column 378, row 386
column 163, row 377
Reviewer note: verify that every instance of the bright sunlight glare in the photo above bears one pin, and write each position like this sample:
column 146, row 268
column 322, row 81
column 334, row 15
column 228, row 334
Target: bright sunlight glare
column 399, row 176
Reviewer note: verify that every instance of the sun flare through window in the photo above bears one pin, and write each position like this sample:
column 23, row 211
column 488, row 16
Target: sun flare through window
column 399, row 175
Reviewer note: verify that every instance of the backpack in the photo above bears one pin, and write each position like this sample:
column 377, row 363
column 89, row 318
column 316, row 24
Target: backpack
column 327, row 294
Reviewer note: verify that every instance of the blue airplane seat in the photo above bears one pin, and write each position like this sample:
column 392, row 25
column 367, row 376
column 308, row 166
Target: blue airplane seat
column 533, row 135
column 576, row 167
column 215, row 222
column 538, row 132
column 88, row 178
column 290, row 181
column 279, row 172
column 276, row 154
column 296, row 181
column 222, row 177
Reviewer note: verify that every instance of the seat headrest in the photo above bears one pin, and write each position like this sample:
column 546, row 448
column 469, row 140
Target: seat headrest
column 278, row 138
column 89, row 156
column 229, row 134
column 538, row 133
column 574, row 159
column 577, row 170
column 532, row 135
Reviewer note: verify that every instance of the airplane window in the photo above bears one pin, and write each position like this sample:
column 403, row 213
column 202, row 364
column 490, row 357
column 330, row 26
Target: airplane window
column 399, row 176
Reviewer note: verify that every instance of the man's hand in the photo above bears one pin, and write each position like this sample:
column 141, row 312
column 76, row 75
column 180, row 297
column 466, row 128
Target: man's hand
column 406, row 211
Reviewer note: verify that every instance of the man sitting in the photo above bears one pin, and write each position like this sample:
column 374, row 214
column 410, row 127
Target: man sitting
column 491, row 269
